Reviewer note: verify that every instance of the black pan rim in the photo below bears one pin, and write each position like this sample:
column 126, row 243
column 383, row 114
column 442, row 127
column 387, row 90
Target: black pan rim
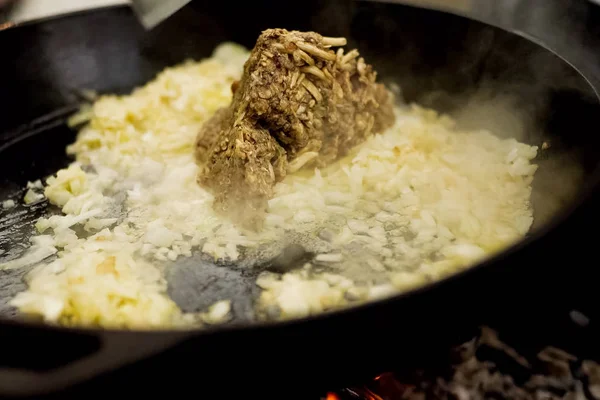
column 585, row 194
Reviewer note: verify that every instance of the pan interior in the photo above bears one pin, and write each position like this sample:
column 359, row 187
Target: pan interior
column 482, row 76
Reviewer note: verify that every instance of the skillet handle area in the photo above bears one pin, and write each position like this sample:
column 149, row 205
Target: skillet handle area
column 37, row 361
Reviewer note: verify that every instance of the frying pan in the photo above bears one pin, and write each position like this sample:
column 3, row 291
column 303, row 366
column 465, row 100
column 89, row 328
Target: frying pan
column 439, row 59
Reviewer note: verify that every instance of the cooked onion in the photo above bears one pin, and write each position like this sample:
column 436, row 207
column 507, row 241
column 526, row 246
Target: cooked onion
column 414, row 204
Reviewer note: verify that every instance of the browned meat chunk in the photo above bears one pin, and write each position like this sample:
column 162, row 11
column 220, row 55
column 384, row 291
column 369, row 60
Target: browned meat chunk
column 298, row 104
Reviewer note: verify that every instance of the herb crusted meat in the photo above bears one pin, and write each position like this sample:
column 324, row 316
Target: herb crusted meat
column 298, row 103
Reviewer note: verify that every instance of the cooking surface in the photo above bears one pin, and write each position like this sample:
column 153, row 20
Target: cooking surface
column 486, row 66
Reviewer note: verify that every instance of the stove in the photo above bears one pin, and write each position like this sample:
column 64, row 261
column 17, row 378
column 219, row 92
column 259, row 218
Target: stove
column 487, row 368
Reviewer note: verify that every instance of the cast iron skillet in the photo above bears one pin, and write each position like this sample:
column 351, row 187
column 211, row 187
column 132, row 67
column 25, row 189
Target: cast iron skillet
column 439, row 60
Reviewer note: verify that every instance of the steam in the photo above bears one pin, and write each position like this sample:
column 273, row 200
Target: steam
column 563, row 26
column 494, row 108
column 498, row 113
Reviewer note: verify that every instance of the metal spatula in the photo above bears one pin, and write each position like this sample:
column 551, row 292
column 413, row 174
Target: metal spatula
column 153, row 12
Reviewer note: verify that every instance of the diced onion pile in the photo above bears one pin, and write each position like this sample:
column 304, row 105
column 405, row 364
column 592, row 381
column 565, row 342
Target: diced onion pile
column 419, row 202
